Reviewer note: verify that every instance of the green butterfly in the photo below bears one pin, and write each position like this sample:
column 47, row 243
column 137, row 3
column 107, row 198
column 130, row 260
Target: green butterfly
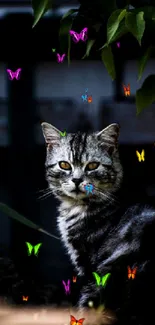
column 101, row 280
column 32, row 248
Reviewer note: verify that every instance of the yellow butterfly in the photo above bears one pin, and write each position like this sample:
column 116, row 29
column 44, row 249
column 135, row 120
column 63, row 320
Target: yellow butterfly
column 140, row 156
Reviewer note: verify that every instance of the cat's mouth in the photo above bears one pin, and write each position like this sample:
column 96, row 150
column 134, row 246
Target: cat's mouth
column 76, row 191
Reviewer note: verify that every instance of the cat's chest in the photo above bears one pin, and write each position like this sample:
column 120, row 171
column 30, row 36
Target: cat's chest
column 82, row 237
column 72, row 233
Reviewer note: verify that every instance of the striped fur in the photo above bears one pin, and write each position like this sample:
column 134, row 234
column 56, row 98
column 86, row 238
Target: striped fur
column 97, row 232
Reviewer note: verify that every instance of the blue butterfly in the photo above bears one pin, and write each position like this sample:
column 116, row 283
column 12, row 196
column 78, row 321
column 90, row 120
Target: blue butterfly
column 84, row 98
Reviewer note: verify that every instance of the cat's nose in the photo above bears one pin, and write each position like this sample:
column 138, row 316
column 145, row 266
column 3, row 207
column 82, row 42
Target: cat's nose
column 77, row 181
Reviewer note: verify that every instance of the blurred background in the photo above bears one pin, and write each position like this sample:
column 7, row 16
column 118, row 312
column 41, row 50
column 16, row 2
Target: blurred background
column 50, row 91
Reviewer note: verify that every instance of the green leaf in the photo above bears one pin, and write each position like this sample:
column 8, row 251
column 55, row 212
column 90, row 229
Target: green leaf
column 113, row 23
column 108, row 60
column 90, row 43
column 69, row 13
column 18, row 217
column 149, row 12
column 145, row 96
column 39, row 9
column 105, row 45
column 122, row 30
column 142, row 62
column 136, row 24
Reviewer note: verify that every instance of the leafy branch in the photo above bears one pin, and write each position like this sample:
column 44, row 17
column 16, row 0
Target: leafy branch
column 107, row 23
column 20, row 218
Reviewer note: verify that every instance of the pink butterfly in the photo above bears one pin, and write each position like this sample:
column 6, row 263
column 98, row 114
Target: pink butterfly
column 60, row 58
column 77, row 37
column 15, row 74
column 66, row 286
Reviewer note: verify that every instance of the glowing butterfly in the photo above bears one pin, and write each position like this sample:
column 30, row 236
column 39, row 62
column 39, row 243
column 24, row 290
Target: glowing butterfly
column 67, row 287
column 53, row 50
column 25, row 298
column 60, row 58
column 32, row 248
column 84, row 98
column 132, row 273
column 74, row 321
column 63, row 134
column 15, row 74
column 77, row 37
column 126, row 90
column 101, row 280
column 90, row 99
column 74, row 278
column 140, row 156
column 118, row 44
column 89, row 188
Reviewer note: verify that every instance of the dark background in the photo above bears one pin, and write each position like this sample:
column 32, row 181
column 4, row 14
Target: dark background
column 51, row 92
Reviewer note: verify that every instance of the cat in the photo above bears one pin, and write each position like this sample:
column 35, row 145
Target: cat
column 99, row 232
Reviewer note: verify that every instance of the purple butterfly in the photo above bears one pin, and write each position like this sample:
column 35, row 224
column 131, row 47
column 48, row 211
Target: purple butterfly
column 15, row 74
column 60, row 58
column 77, row 37
column 66, row 286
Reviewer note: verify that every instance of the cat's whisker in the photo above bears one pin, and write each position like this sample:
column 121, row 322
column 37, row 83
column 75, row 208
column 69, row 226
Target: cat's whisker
column 46, row 193
column 108, row 196
column 42, row 191
column 99, row 192
column 45, row 190
column 113, row 198
column 45, row 196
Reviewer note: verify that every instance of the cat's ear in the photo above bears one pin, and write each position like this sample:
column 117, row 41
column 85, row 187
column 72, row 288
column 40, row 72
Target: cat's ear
column 51, row 134
column 108, row 137
column 110, row 134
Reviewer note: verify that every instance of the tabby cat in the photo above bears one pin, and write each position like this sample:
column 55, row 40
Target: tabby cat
column 99, row 232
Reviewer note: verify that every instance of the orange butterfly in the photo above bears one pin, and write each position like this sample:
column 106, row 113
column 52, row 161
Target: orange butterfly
column 90, row 99
column 74, row 278
column 132, row 272
column 25, row 298
column 74, row 321
column 126, row 90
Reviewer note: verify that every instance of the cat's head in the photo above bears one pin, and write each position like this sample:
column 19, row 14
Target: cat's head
column 76, row 160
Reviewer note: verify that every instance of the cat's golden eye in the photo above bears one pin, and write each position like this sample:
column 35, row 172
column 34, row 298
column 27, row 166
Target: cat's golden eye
column 65, row 165
column 92, row 166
